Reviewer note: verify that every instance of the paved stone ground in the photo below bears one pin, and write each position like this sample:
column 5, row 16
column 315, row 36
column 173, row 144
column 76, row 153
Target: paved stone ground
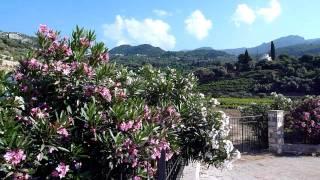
column 262, row 167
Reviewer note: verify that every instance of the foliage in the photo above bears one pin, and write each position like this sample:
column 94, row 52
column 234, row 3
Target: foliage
column 305, row 120
column 67, row 113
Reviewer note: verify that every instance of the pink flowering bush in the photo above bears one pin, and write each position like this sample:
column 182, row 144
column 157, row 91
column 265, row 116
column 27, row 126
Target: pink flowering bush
column 304, row 120
column 67, row 113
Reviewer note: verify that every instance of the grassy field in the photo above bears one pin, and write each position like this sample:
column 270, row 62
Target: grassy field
column 233, row 103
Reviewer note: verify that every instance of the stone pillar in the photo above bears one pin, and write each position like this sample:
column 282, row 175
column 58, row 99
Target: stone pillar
column 275, row 130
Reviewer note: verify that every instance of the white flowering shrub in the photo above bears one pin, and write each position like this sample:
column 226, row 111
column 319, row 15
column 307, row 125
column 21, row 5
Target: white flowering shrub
column 281, row 102
column 67, row 113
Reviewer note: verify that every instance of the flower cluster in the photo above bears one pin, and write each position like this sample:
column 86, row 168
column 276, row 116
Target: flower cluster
column 281, row 102
column 14, row 157
column 305, row 119
column 80, row 117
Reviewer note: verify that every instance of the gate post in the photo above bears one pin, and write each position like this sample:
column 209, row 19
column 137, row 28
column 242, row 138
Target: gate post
column 275, row 130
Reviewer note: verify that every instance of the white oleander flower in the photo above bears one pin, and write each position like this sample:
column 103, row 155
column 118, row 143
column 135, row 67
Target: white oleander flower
column 19, row 101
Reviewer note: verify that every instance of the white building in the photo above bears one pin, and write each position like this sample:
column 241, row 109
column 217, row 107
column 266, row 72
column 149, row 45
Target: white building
column 265, row 57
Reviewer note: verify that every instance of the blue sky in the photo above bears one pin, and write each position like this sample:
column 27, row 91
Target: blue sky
column 170, row 24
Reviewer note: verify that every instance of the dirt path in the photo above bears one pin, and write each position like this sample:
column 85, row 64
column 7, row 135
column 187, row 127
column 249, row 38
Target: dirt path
column 262, row 167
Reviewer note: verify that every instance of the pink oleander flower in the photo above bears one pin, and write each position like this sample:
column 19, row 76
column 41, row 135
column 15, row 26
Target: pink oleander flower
column 104, row 57
column 38, row 113
column 34, row 64
column 123, row 127
column 66, row 50
column 85, row 42
column 312, row 123
column 52, row 35
column 61, row 171
column 62, row 67
column 43, row 28
column 20, row 176
column 137, row 125
column 136, row 178
column 147, row 112
column 63, row 131
column 45, row 68
column 87, row 70
column 58, row 66
column 134, row 162
column 153, row 141
column 74, row 65
column 169, row 155
column 14, row 157
column 130, row 124
column 127, row 143
column 104, row 92
column 306, row 115
column 155, row 153
column 163, row 145
column 18, row 76
column 171, row 110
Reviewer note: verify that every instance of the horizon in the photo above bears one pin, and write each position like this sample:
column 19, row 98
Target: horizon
column 169, row 25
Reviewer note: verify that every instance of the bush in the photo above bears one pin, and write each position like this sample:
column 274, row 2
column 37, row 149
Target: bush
column 281, row 102
column 68, row 113
column 305, row 120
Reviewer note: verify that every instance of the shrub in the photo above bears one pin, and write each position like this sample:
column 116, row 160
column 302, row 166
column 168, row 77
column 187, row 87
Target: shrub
column 281, row 102
column 68, row 113
column 305, row 120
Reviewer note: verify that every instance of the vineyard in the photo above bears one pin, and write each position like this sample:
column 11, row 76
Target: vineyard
column 234, row 103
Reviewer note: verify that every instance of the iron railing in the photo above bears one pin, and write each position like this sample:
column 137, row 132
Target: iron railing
column 169, row 170
column 249, row 133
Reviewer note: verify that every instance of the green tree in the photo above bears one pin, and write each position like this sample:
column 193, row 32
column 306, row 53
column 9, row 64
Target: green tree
column 245, row 62
column 272, row 51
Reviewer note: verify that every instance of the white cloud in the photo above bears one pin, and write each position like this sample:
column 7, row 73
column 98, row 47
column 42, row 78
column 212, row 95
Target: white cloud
column 272, row 12
column 161, row 13
column 198, row 25
column 244, row 14
column 132, row 31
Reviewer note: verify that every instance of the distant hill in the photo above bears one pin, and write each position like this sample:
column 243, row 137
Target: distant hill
column 144, row 49
column 205, row 48
column 151, row 51
column 290, row 42
column 301, row 49
column 14, row 46
column 135, row 56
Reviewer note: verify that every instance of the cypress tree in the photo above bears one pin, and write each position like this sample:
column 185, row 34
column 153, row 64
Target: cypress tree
column 272, row 51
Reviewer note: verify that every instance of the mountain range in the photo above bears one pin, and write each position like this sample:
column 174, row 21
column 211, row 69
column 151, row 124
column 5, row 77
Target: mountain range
column 292, row 45
column 13, row 45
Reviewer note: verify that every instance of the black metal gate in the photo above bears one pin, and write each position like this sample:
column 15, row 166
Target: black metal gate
column 249, row 133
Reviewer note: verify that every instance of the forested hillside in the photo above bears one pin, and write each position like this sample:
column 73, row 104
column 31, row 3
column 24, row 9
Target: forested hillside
column 295, row 70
